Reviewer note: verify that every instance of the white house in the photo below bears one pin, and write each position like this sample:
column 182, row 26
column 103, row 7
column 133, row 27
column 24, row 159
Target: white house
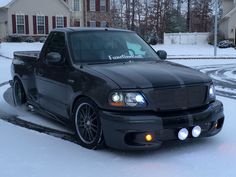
column 228, row 21
column 37, row 17
column 34, row 18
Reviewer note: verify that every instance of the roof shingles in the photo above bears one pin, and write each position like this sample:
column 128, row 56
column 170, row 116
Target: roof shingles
column 4, row 3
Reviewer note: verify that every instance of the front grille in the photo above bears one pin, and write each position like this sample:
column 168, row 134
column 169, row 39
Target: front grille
column 180, row 98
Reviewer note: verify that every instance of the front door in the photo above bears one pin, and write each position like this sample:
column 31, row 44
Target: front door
column 51, row 78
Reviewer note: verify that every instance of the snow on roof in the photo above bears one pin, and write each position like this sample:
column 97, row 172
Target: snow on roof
column 4, row 3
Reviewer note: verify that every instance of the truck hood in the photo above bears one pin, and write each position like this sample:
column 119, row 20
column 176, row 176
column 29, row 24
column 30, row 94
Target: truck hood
column 150, row 74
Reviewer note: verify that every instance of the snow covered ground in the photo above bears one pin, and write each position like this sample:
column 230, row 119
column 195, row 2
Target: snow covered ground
column 173, row 51
column 186, row 51
column 7, row 48
column 28, row 153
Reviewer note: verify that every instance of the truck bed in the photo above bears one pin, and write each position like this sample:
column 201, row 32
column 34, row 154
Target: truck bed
column 29, row 55
column 24, row 64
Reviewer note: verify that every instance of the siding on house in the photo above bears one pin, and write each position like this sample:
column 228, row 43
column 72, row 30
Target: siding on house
column 227, row 24
column 224, row 28
column 3, row 23
column 232, row 27
column 38, row 18
column 86, row 15
column 36, row 8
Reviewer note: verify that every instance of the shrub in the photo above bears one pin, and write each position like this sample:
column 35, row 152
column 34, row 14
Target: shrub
column 211, row 38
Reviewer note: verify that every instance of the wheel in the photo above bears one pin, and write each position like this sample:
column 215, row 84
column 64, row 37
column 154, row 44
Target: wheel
column 87, row 124
column 19, row 96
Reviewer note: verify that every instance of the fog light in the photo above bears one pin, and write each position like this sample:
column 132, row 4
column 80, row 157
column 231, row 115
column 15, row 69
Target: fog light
column 196, row 131
column 183, row 134
column 148, row 137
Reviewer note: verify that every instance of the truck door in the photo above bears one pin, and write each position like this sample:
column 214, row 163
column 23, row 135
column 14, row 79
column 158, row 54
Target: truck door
column 51, row 75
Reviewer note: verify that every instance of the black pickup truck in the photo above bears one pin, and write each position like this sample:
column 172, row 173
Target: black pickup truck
column 115, row 89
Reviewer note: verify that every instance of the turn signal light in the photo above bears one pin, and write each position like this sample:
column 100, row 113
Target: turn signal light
column 148, row 137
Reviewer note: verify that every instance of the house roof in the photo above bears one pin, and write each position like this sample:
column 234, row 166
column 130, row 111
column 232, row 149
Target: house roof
column 229, row 14
column 5, row 3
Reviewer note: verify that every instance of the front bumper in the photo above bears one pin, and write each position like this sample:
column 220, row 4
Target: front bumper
column 127, row 130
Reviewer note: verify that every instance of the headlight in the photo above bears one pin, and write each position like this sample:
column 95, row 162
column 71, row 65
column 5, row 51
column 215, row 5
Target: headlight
column 129, row 99
column 212, row 92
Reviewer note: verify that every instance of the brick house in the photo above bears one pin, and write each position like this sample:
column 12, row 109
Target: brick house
column 94, row 13
column 36, row 18
column 228, row 21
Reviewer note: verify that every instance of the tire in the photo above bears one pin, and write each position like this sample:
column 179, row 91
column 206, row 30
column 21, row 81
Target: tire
column 18, row 92
column 87, row 124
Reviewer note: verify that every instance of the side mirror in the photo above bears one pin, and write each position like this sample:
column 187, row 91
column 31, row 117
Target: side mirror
column 53, row 58
column 162, row 54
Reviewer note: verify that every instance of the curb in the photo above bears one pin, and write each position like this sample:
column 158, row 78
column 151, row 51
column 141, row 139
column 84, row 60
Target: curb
column 6, row 57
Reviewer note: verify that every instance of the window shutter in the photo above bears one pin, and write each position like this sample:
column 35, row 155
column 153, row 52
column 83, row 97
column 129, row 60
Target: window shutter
column 88, row 7
column 88, row 24
column 46, row 24
column 26, row 24
column 98, row 24
column 107, row 5
column 53, row 22
column 13, row 24
column 65, row 21
column 97, row 5
column 34, row 24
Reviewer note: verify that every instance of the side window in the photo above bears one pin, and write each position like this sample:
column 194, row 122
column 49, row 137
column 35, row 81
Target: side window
column 57, row 44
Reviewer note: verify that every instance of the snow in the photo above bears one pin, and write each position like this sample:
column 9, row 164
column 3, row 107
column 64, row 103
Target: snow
column 33, row 154
column 203, row 50
column 173, row 51
column 4, row 3
column 7, row 48
column 25, row 152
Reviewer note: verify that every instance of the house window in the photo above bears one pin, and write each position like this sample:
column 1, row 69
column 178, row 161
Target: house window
column 92, row 5
column 103, row 24
column 59, row 22
column 41, row 24
column 20, row 24
column 76, row 5
column 92, row 24
column 102, row 5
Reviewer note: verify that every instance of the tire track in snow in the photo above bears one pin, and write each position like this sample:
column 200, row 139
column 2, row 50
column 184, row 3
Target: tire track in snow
column 224, row 78
column 4, row 83
column 15, row 120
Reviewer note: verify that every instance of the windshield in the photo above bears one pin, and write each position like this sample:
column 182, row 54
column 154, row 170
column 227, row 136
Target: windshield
column 109, row 46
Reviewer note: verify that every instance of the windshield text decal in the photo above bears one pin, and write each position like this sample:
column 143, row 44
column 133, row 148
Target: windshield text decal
column 122, row 57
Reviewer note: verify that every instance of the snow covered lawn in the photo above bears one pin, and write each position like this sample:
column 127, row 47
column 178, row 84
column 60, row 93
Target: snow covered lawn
column 27, row 153
column 173, row 51
column 7, row 48
column 186, row 51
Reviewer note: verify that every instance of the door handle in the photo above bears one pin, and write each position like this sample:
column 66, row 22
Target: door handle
column 40, row 72
column 71, row 81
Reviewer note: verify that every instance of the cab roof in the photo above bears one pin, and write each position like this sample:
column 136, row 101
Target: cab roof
column 77, row 29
